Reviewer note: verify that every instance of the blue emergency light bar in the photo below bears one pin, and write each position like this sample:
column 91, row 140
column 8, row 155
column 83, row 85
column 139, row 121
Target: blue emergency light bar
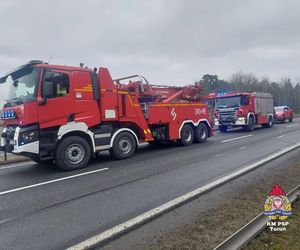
column 8, row 114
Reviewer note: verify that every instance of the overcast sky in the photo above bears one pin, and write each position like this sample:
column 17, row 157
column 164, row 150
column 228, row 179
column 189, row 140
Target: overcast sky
column 166, row 41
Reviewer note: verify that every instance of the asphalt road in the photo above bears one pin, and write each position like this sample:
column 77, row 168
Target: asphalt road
column 43, row 208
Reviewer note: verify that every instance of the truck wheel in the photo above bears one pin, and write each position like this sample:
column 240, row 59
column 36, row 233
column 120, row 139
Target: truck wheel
column 72, row 153
column 291, row 119
column 186, row 135
column 201, row 133
column 250, row 126
column 223, row 128
column 124, row 146
column 269, row 124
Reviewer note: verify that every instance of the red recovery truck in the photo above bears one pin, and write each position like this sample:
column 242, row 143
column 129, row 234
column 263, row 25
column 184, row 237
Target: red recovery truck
column 68, row 114
column 241, row 109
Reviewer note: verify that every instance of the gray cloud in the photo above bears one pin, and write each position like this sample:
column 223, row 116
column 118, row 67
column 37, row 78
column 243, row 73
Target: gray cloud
column 167, row 41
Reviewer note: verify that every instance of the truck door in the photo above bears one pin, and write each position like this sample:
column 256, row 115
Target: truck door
column 57, row 108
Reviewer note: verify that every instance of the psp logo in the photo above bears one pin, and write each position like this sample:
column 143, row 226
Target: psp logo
column 200, row 111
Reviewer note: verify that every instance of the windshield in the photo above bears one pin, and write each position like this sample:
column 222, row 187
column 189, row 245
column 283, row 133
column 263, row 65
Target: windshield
column 22, row 86
column 228, row 102
column 279, row 109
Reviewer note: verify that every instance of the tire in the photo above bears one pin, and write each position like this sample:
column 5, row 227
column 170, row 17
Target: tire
column 291, row 119
column 73, row 153
column 269, row 124
column 223, row 128
column 201, row 133
column 186, row 135
column 250, row 126
column 124, row 146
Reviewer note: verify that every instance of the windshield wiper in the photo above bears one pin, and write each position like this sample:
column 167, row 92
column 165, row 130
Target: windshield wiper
column 17, row 100
column 14, row 101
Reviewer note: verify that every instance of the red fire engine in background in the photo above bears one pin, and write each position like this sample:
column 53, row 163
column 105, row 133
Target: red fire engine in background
column 239, row 109
column 68, row 114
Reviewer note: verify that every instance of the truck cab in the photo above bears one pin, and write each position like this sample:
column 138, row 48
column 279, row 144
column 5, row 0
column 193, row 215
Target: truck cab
column 232, row 110
column 42, row 98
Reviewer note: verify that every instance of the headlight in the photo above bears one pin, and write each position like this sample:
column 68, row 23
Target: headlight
column 28, row 137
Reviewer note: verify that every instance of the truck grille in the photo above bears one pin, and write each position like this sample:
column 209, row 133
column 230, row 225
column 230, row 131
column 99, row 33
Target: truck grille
column 227, row 116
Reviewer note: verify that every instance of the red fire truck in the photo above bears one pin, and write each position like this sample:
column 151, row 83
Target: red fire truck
column 239, row 109
column 68, row 114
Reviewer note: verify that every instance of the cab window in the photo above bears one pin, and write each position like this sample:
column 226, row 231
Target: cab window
column 59, row 82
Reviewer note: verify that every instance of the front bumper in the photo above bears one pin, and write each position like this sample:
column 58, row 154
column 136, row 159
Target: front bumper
column 12, row 140
column 240, row 121
column 279, row 118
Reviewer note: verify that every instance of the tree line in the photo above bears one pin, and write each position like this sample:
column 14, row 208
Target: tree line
column 284, row 92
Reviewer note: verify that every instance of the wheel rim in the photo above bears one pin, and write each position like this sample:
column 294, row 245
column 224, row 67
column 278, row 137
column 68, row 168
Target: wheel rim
column 251, row 123
column 125, row 145
column 75, row 153
column 187, row 135
column 202, row 133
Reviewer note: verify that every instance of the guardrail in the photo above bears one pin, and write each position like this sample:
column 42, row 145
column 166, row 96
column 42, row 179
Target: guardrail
column 253, row 228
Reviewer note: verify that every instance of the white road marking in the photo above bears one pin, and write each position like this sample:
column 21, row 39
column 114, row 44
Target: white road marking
column 281, row 136
column 52, row 181
column 237, row 138
column 293, row 125
column 244, row 147
column 140, row 219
